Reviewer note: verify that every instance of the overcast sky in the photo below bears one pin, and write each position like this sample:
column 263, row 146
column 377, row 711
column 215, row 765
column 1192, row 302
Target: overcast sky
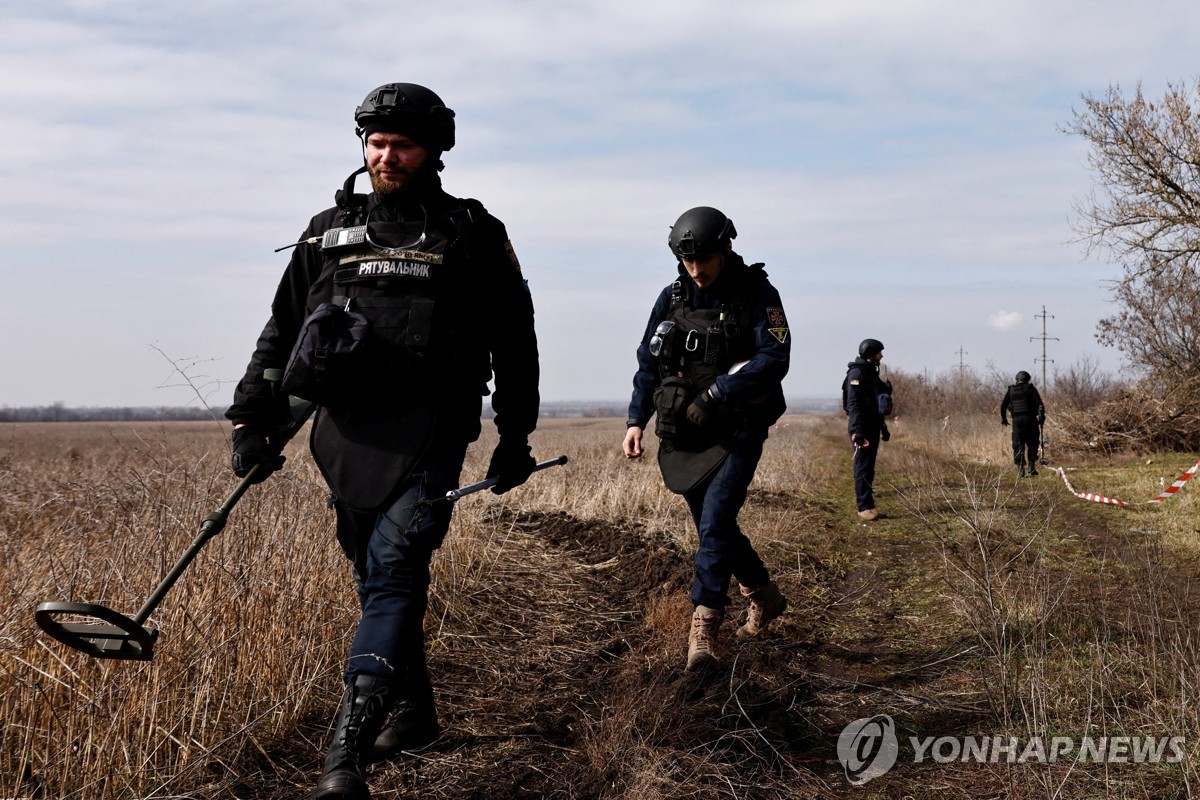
column 899, row 166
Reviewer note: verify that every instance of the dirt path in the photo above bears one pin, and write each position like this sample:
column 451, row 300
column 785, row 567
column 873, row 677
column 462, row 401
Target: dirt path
column 571, row 683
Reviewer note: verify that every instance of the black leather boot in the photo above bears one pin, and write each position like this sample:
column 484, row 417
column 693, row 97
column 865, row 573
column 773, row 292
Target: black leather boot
column 414, row 724
column 365, row 707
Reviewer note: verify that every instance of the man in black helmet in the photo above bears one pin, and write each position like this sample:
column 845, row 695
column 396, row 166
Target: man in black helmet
column 710, row 367
column 867, row 424
column 1028, row 414
column 395, row 311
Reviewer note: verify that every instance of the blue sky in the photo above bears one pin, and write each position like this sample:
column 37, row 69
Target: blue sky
column 900, row 167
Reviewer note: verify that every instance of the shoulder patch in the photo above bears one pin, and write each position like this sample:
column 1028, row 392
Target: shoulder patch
column 777, row 324
column 512, row 254
column 854, row 382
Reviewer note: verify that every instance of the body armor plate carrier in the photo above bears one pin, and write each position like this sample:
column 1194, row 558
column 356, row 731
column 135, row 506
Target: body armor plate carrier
column 377, row 415
column 695, row 346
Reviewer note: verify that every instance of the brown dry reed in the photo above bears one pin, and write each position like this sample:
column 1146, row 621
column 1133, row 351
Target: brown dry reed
column 248, row 667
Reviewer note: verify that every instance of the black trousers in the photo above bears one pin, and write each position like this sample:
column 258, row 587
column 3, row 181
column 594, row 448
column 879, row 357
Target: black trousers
column 1025, row 440
column 864, row 472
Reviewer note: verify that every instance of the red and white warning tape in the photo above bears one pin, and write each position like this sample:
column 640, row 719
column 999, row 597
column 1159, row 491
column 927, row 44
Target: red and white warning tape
column 1099, row 498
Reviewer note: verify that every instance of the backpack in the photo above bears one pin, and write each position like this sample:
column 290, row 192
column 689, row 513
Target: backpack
column 884, row 397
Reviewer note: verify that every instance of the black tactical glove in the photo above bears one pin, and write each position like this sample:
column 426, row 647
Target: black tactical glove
column 884, row 434
column 1004, row 421
column 512, row 463
column 252, row 447
column 703, row 410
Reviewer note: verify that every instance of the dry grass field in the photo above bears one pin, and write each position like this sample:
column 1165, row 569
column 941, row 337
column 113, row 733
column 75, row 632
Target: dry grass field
column 979, row 606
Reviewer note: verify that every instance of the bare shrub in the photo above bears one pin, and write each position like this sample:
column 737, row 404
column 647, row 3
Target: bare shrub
column 953, row 393
column 1083, row 385
column 1150, row 416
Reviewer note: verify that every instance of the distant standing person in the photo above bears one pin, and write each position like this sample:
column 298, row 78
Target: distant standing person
column 1028, row 415
column 867, row 424
column 710, row 366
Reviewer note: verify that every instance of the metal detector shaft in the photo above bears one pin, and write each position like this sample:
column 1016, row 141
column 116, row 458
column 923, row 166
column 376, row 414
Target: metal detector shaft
column 463, row 491
column 103, row 633
column 215, row 522
column 209, row 527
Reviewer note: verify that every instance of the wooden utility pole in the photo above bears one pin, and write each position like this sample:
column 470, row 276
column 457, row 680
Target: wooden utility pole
column 1043, row 317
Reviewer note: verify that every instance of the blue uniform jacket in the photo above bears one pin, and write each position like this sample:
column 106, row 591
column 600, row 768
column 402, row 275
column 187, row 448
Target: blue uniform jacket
column 758, row 383
column 862, row 399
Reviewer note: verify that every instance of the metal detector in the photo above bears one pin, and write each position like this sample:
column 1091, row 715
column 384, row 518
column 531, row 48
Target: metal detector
column 103, row 633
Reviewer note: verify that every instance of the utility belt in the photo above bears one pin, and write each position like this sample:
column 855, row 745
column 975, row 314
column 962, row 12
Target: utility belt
column 671, row 425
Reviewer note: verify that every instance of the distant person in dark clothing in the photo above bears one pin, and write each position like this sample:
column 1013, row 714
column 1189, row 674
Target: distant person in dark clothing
column 866, row 423
column 1028, row 414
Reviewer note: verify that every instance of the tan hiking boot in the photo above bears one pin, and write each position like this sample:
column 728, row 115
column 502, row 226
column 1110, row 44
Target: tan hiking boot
column 766, row 603
column 869, row 514
column 702, row 641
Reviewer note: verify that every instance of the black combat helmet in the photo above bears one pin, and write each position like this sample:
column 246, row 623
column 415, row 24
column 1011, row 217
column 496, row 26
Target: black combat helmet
column 869, row 348
column 408, row 109
column 1022, row 377
column 699, row 232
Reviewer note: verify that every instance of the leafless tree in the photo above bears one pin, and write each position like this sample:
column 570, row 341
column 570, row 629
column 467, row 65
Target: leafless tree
column 1082, row 386
column 1145, row 155
column 1144, row 213
column 1157, row 325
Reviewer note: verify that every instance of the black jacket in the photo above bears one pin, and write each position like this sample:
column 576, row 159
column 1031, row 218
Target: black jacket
column 1023, row 400
column 862, row 398
column 484, row 314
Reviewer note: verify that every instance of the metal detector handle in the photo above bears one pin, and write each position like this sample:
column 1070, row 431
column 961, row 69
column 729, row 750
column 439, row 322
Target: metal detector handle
column 463, row 491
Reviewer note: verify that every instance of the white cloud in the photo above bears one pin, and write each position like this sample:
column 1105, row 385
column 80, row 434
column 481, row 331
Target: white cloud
column 1005, row 320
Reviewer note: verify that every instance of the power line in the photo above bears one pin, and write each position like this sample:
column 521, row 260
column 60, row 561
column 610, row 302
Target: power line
column 1043, row 317
column 961, row 366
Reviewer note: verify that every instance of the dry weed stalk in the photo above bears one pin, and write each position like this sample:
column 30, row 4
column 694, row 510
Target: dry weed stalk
column 993, row 544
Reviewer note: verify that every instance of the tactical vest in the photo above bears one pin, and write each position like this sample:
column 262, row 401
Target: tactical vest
column 399, row 282
column 695, row 346
column 402, row 278
column 1018, row 399
column 703, row 344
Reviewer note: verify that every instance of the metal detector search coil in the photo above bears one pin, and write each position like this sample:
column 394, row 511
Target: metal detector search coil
column 106, row 634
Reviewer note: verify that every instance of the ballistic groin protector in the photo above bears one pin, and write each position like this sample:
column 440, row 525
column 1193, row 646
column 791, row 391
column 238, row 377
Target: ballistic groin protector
column 688, row 461
column 365, row 454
